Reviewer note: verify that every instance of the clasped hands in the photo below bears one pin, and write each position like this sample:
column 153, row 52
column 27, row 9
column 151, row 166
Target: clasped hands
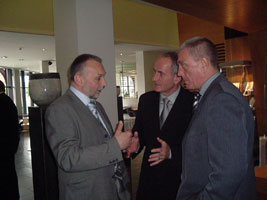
column 130, row 144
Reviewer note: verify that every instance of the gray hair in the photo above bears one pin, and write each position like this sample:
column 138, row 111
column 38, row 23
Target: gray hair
column 200, row 47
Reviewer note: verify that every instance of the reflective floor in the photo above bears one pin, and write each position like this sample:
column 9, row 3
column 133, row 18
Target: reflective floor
column 24, row 168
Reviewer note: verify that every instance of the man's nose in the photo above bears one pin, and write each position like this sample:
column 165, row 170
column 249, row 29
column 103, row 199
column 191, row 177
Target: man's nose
column 155, row 77
column 180, row 72
column 104, row 82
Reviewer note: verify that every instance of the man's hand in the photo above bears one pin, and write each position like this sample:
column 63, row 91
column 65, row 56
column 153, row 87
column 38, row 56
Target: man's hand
column 159, row 154
column 133, row 146
column 123, row 138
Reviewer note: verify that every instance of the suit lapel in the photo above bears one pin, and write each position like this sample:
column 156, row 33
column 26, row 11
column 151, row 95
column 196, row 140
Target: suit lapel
column 105, row 120
column 155, row 109
column 203, row 98
column 79, row 104
column 91, row 117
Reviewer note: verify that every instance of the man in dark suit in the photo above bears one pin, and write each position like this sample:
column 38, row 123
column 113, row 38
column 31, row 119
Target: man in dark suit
column 218, row 144
column 8, row 146
column 161, row 132
column 88, row 154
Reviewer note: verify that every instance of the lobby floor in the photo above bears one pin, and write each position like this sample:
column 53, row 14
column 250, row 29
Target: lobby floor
column 24, row 168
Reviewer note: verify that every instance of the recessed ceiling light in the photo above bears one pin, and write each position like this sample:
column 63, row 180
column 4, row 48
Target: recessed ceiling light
column 121, row 54
column 4, row 57
column 43, row 49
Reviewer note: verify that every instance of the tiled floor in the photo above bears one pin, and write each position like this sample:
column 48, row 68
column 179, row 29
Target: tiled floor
column 24, row 168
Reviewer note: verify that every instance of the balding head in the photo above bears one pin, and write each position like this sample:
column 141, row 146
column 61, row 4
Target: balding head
column 80, row 62
column 200, row 47
column 197, row 59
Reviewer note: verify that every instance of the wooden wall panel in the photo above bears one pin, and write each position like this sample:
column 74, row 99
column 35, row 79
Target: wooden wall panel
column 244, row 15
column 258, row 48
column 190, row 26
column 237, row 49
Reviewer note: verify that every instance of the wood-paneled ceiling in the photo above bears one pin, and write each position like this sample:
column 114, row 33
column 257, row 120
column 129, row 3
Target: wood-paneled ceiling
column 243, row 15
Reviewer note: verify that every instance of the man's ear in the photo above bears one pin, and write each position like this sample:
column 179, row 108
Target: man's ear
column 205, row 64
column 78, row 79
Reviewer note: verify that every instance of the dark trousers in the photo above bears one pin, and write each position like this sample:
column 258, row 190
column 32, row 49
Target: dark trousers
column 8, row 178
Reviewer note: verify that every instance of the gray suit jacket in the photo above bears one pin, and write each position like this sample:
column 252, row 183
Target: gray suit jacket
column 218, row 146
column 83, row 150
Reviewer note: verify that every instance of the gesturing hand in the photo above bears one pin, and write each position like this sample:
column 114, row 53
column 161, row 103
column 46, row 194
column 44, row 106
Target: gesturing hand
column 123, row 138
column 159, row 154
column 133, row 146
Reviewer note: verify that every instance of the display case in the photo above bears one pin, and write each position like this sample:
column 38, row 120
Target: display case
column 241, row 75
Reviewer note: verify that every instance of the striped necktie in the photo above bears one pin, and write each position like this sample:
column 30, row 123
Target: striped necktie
column 93, row 109
column 196, row 100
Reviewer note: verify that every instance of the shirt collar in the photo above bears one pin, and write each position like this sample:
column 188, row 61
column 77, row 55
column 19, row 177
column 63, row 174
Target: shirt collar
column 205, row 86
column 85, row 99
column 172, row 97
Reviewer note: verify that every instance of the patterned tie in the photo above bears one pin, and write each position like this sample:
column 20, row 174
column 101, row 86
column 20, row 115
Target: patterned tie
column 196, row 100
column 93, row 109
column 165, row 111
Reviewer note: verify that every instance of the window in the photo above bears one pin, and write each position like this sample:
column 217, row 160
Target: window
column 25, row 95
column 128, row 86
column 10, row 87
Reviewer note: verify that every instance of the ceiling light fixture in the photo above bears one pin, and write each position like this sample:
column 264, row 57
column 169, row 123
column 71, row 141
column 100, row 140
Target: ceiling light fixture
column 43, row 49
column 4, row 57
column 121, row 54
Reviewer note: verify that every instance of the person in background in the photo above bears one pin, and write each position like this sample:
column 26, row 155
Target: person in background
column 162, row 118
column 8, row 146
column 88, row 154
column 218, row 144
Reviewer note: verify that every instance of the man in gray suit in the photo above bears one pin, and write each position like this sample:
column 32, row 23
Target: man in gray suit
column 218, row 145
column 89, row 158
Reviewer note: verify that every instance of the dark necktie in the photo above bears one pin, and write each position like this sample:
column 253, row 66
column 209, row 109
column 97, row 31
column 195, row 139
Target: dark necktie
column 196, row 100
column 165, row 111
